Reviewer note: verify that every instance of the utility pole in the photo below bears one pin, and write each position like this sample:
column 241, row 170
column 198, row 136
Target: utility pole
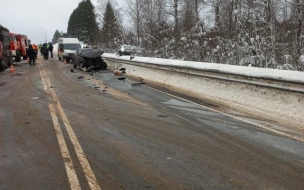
column 45, row 35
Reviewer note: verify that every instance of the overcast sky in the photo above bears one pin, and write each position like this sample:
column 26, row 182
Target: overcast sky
column 34, row 18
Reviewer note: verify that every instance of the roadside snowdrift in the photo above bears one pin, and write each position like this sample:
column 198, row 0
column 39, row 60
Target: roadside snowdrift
column 282, row 106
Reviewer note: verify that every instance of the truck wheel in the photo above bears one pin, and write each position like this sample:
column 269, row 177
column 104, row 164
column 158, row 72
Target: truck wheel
column 59, row 58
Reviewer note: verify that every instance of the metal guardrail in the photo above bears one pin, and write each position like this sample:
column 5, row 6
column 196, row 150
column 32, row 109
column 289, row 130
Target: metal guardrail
column 279, row 84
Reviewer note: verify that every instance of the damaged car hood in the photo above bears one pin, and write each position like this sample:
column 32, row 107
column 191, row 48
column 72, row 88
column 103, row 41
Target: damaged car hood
column 92, row 54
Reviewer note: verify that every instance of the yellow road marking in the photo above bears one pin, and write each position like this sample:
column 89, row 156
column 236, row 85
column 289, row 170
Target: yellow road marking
column 77, row 147
column 74, row 183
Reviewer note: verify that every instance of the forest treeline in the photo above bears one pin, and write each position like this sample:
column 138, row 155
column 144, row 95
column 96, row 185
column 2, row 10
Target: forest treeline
column 257, row 33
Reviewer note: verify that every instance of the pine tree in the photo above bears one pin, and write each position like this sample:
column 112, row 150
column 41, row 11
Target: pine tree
column 56, row 36
column 82, row 23
column 73, row 24
column 110, row 29
column 91, row 24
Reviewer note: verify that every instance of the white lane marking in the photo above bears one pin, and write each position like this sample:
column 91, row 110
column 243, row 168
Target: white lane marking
column 234, row 117
column 74, row 183
column 77, row 147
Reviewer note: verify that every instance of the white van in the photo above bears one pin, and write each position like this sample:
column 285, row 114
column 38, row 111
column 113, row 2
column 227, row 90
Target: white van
column 67, row 47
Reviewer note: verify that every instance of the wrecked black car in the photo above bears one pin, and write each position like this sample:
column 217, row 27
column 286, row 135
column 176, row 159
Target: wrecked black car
column 88, row 58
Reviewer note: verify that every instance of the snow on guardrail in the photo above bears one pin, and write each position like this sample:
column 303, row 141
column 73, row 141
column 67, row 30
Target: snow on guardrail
column 285, row 75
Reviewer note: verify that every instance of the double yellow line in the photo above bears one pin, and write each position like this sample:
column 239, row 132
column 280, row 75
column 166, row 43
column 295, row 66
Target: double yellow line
column 71, row 173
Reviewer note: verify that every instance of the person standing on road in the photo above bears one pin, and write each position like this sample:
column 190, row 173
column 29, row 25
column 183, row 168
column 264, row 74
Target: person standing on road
column 31, row 53
column 35, row 47
column 45, row 51
column 50, row 48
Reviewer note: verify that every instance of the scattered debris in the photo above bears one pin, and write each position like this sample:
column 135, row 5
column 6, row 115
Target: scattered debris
column 117, row 72
column 35, row 98
column 51, row 87
column 16, row 74
column 148, row 186
column 72, row 70
column 27, row 122
column 91, row 74
column 2, row 83
column 121, row 78
column 96, row 87
column 80, row 77
column 123, row 70
column 137, row 83
column 131, row 58
column 163, row 116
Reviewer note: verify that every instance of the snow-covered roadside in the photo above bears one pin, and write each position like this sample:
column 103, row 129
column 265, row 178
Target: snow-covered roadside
column 295, row 76
column 284, row 107
column 55, row 48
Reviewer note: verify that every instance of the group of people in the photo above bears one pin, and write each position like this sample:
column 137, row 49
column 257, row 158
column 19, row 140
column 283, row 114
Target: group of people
column 32, row 52
column 45, row 49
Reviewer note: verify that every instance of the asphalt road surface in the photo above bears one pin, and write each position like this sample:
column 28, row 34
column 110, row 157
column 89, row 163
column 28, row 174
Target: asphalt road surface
column 78, row 130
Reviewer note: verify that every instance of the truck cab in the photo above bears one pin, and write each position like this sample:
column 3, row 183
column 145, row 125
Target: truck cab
column 18, row 46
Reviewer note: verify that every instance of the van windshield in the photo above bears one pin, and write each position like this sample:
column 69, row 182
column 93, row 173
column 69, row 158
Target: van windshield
column 71, row 46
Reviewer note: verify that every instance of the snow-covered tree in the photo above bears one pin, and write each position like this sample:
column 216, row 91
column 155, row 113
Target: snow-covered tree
column 82, row 23
column 56, row 36
column 110, row 31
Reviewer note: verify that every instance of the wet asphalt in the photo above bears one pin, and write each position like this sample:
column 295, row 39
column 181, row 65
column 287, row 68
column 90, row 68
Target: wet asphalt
column 135, row 136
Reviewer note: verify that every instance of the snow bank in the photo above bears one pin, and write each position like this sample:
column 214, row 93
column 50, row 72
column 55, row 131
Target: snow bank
column 285, row 107
column 295, row 76
column 55, row 48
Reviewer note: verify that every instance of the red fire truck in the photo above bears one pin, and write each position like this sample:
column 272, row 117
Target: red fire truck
column 18, row 45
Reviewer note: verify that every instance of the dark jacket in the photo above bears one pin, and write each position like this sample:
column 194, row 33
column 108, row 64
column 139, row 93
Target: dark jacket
column 31, row 53
column 50, row 47
column 44, row 49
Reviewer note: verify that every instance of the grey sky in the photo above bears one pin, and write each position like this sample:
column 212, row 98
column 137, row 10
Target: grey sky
column 29, row 17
